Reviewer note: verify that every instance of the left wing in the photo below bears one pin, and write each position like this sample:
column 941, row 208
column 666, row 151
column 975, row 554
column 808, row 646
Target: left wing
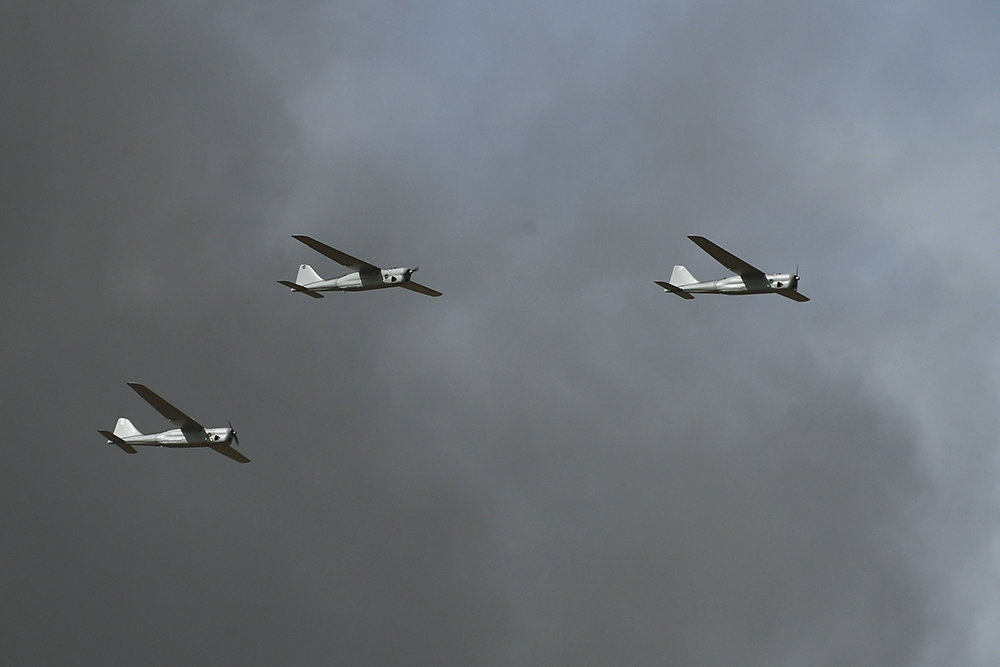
column 793, row 295
column 226, row 450
column 172, row 414
column 730, row 261
column 337, row 256
column 417, row 287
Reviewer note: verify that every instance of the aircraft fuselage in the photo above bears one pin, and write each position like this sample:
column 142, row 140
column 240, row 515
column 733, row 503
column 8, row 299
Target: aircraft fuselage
column 366, row 280
column 178, row 438
column 736, row 285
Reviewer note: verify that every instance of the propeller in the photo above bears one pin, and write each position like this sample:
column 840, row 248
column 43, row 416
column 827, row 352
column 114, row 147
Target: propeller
column 232, row 434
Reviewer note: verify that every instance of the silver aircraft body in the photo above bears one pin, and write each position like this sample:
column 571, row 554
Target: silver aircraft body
column 188, row 434
column 748, row 279
column 365, row 276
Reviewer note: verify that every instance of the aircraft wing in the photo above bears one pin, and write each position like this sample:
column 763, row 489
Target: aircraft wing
column 730, row 261
column 793, row 295
column 336, row 255
column 172, row 414
column 417, row 287
column 226, row 450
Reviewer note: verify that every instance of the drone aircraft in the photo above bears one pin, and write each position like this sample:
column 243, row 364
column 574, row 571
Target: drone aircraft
column 189, row 434
column 749, row 279
column 365, row 276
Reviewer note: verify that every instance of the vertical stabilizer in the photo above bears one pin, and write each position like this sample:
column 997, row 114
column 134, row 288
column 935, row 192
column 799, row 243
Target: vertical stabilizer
column 124, row 428
column 680, row 276
column 306, row 275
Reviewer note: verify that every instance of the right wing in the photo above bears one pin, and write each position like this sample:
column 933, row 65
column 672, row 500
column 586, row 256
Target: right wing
column 674, row 288
column 115, row 440
column 299, row 288
column 173, row 415
column 337, row 256
column 749, row 273
column 226, row 450
column 417, row 287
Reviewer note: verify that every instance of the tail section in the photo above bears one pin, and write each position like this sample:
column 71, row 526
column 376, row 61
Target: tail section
column 299, row 288
column 124, row 428
column 116, row 440
column 673, row 288
column 306, row 275
column 680, row 276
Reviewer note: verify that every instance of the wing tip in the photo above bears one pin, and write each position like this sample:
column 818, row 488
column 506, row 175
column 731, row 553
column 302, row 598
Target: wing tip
column 138, row 386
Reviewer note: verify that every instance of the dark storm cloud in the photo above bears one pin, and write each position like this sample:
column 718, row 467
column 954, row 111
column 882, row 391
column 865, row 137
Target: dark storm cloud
column 554, row 462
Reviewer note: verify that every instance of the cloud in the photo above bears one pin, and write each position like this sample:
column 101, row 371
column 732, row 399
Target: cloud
column 555, row 462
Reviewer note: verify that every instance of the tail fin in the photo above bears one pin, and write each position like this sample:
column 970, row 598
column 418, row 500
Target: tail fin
column 124, row 428
column 306, row 275
column 680, row 276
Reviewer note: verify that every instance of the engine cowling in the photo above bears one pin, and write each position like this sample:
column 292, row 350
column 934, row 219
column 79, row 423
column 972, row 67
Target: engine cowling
column 396, row 276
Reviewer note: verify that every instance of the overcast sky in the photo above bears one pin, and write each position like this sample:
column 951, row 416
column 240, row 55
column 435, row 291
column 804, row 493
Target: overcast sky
column 555, row 462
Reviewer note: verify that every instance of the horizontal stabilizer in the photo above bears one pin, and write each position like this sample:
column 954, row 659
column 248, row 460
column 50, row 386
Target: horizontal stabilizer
column 299, row 288
column 115, row 440
column 673, row 288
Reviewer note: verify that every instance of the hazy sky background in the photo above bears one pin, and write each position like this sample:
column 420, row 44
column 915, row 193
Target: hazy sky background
column 555, row 462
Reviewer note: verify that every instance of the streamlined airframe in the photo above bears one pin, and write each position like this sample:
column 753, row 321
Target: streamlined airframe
column 748, row 279
column 365, row 276
column 188, row 434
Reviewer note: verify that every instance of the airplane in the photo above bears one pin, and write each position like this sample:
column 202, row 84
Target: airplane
column 189, row 434
column 749, row 279
column 365, row 276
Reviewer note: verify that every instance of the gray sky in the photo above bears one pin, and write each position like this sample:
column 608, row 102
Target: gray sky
column 555, row 462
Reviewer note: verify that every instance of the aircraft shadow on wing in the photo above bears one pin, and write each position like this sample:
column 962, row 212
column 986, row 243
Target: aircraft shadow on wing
column 748, row 279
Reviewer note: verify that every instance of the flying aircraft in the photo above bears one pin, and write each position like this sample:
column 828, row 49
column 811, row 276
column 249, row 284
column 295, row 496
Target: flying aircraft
column 365, row 276
column 748, row 279
column 188, row 434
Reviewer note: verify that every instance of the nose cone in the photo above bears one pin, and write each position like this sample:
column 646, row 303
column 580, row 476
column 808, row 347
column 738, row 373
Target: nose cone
column 784, row 281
